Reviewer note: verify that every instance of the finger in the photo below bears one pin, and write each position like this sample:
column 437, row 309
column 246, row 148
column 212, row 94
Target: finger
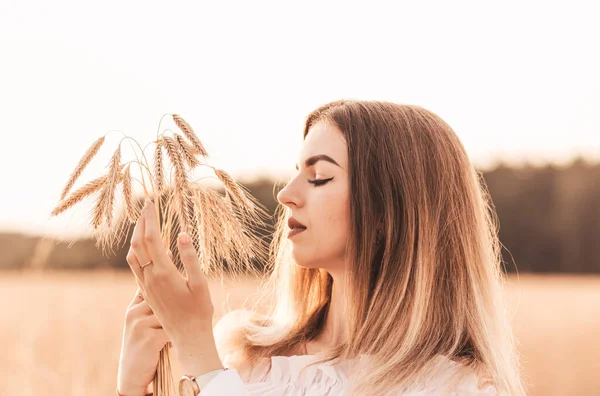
column 138, row 243
column 134, row 265
column 138, row 298
column 190, row 260
column 153, row 240
column 160, row 338
column 141, row 309
column 150, row 322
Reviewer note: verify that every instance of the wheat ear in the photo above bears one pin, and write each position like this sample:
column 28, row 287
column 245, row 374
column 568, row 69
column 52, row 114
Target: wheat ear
column 209, row 227
column 83, row 162
column 234, row 189
column 130, row 207
column 104, row 206
column 82, row 192
column 187, row 151
column 182, row 188
column 189, row 133
column 79, row 194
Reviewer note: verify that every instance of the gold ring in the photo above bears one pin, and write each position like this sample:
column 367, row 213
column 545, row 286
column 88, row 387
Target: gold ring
column 145, row 265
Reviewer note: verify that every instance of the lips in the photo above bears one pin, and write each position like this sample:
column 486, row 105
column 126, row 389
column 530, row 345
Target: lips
column 295, row 227
column 293, row 224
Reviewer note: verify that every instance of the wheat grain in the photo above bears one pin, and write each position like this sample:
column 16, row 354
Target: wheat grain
column 189, row 133
column 83, row 162
column 187, row 151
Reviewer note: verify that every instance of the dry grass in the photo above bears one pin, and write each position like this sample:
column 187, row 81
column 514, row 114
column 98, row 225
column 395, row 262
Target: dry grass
column 62, row 332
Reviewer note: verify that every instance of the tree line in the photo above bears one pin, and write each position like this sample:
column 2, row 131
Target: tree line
column 549, row 219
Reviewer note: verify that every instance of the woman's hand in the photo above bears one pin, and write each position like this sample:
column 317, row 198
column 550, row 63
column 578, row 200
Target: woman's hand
column 182, row 305
column 143, row 339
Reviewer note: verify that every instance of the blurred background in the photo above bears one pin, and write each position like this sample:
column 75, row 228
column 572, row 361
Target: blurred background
column 517, row 81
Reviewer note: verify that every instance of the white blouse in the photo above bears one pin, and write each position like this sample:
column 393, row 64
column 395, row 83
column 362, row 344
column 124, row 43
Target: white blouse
column 323, row 379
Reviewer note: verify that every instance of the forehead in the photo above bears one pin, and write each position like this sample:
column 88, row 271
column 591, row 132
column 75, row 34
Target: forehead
column 325, row 138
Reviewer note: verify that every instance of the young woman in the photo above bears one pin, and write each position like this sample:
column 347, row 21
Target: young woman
column 387, row 278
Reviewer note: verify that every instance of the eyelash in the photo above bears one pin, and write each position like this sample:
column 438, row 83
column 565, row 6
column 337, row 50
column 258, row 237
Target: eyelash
column 318, row 183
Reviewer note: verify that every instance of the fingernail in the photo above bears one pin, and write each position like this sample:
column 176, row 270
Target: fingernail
column 184, row 238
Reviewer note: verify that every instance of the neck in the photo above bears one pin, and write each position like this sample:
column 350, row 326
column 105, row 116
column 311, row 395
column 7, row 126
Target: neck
column 333, row 331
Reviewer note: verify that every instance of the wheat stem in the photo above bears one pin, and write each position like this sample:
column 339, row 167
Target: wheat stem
column 158, row 168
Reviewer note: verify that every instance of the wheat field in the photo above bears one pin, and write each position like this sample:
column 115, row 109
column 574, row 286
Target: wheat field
column 61, row 332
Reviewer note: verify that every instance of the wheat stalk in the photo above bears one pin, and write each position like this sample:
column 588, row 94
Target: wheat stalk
column 189, row 133
column 216, row 223
column 83, row 162
column 159, row 176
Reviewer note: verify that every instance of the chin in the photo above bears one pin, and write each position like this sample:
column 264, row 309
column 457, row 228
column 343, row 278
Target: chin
column 309, row 260
column 304, row 260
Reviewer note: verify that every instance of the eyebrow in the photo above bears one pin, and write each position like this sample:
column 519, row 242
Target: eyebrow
column 316, row 158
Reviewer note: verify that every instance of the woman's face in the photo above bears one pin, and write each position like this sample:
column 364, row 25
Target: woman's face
column 318, row 198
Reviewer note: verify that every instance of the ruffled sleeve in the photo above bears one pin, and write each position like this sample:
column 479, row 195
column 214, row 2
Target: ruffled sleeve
column 286, row 377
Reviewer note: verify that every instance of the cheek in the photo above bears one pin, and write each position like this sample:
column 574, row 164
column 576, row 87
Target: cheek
column 334, row 218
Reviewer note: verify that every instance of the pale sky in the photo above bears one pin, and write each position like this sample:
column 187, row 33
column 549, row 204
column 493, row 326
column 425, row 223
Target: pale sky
column 517, row 80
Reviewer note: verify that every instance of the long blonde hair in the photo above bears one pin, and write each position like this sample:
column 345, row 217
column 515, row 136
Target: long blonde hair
column 431, row 284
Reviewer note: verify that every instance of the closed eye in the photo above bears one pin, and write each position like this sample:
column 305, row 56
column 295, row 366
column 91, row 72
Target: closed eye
column 318, row 183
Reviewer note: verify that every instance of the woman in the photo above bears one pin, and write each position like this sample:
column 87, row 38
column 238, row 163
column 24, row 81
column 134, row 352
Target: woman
column 386, row 277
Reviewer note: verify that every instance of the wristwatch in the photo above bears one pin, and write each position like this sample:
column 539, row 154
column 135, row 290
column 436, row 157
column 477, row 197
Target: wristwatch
column 191, row 386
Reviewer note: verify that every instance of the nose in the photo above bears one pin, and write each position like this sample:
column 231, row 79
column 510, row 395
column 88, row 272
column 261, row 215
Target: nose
column 288, row 196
